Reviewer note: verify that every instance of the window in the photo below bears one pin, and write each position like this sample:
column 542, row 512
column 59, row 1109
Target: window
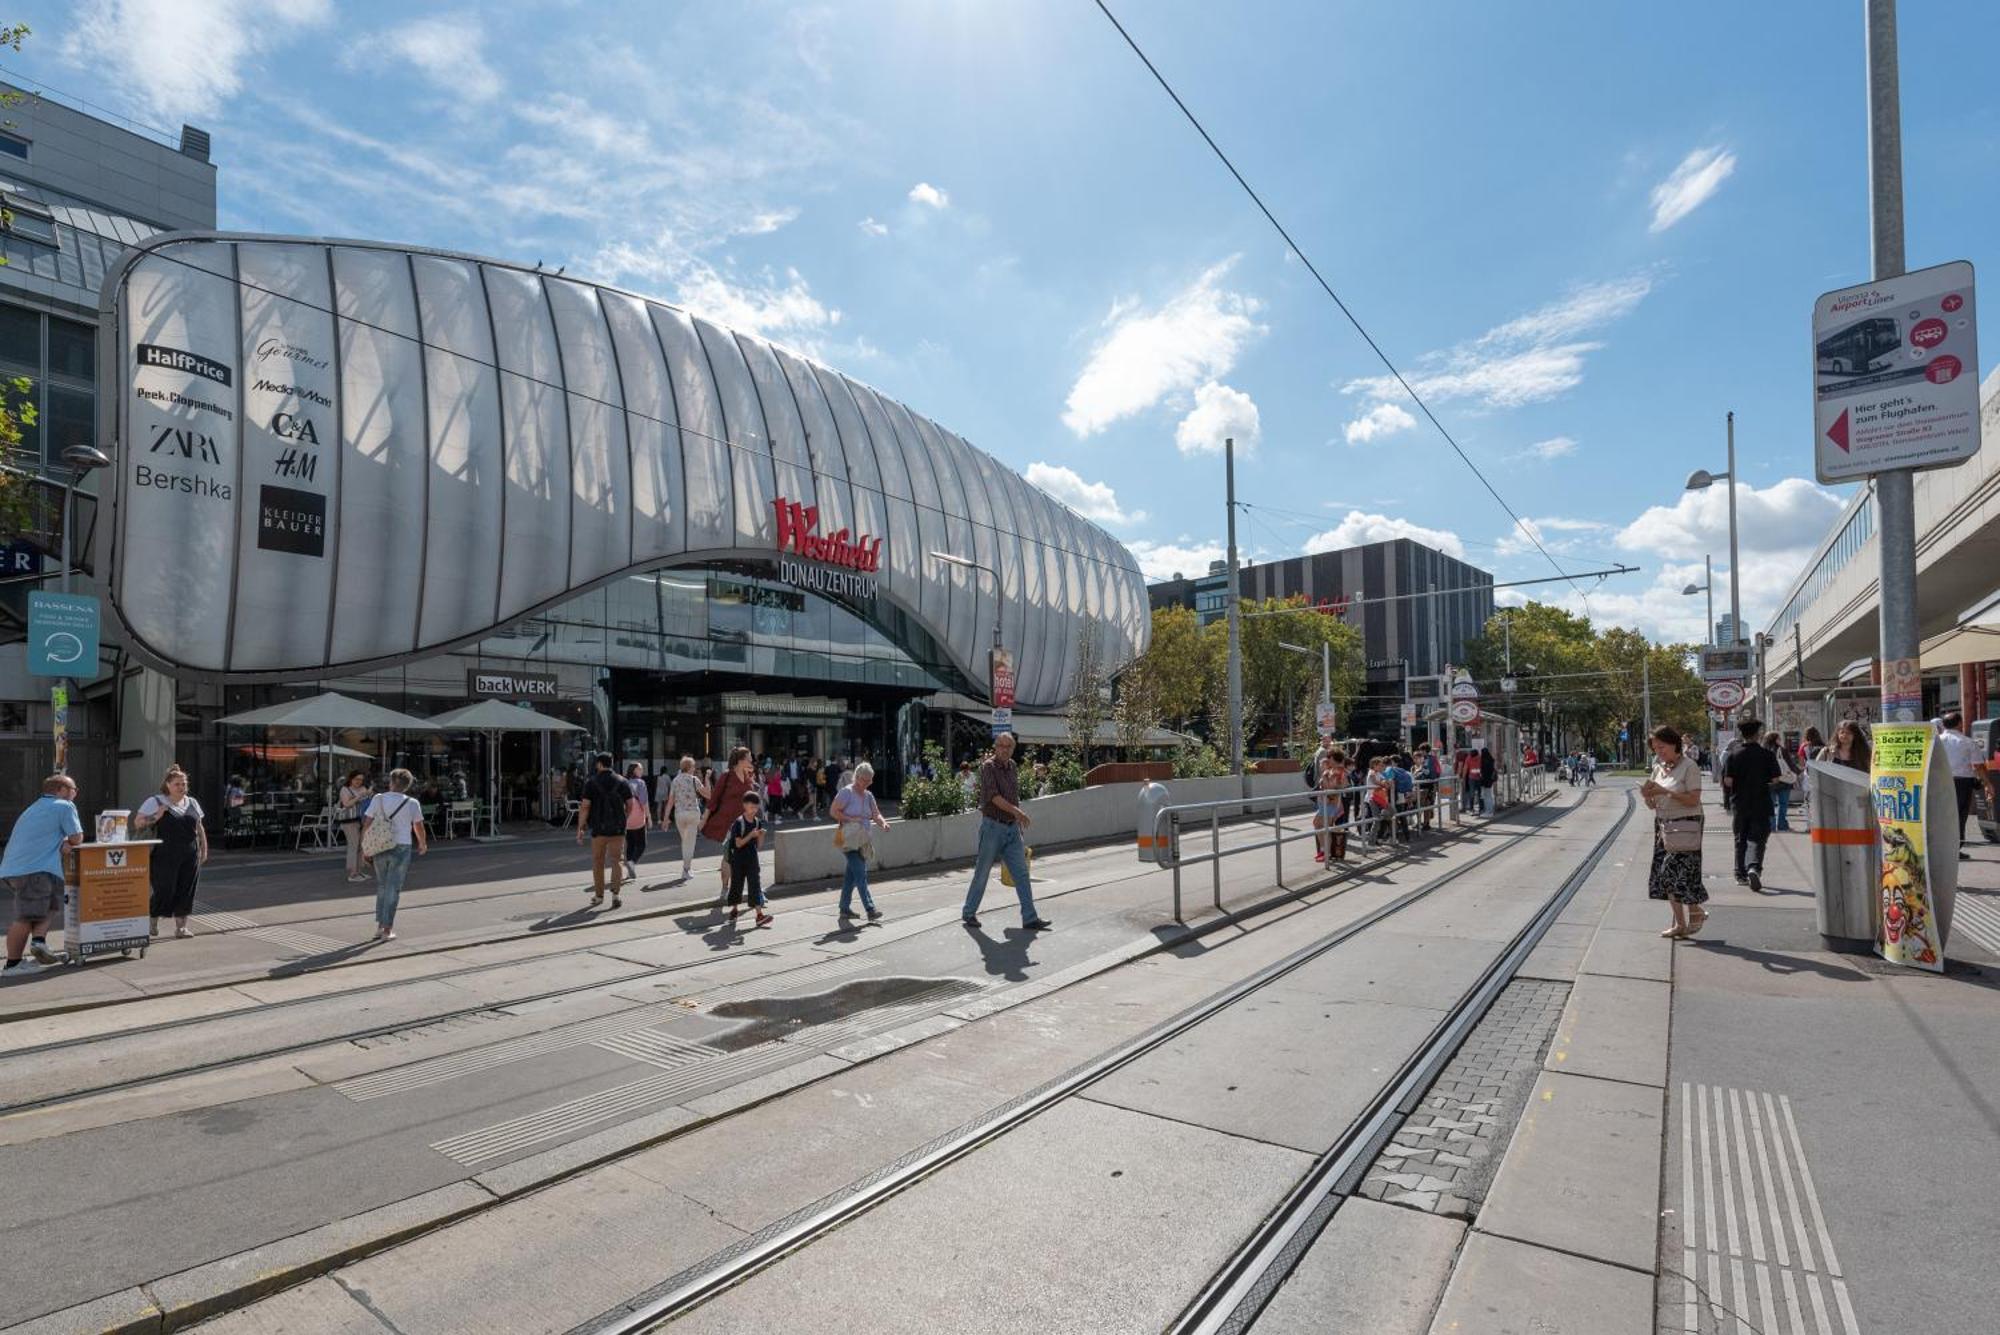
column 29, row 218
column 72, row 349
column 67, row 418
column 20, row 339
column 13, row 145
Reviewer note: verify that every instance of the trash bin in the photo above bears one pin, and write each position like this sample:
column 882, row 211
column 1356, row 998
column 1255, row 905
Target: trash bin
column 1847, row 854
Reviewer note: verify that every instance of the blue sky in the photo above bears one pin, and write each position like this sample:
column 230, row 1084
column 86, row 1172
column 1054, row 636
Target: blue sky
column 1586, row 230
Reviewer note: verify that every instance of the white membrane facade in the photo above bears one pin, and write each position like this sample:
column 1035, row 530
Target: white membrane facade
column 333, row 456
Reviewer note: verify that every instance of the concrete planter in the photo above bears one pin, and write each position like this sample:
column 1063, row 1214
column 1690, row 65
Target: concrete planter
column 1089, row 815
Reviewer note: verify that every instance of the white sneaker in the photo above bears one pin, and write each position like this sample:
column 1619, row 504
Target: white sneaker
column 42, row 954
column 25, row 969
column 356, row 877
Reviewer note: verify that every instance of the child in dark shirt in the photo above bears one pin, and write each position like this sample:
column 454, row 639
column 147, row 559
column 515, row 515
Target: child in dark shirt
column 746, row 836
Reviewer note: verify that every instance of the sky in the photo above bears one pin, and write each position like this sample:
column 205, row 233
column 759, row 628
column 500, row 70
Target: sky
column 1583, row 232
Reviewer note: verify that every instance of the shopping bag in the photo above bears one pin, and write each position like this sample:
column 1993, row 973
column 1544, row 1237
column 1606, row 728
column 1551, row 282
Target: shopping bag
column 1007, row 873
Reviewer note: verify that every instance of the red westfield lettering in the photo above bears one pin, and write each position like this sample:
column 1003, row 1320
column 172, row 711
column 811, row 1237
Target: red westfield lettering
column 798, row 531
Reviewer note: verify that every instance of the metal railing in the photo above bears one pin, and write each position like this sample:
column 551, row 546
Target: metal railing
column 1370, row 829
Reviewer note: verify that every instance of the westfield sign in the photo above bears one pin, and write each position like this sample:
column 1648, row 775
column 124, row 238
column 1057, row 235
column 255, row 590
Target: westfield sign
column 798, row 533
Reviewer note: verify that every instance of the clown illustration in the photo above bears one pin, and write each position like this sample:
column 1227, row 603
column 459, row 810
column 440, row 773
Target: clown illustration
column 1905, row 902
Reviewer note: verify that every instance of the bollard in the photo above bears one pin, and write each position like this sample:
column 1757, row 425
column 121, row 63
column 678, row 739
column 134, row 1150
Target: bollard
column 1152, row 846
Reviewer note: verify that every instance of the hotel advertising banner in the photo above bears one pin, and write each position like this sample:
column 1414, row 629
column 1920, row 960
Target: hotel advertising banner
column 338, row 456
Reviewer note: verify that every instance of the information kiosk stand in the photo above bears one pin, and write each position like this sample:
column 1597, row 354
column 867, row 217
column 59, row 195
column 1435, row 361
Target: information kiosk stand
column 107, row 898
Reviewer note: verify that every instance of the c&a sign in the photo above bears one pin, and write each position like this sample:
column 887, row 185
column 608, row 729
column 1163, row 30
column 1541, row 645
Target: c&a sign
column 798, row 531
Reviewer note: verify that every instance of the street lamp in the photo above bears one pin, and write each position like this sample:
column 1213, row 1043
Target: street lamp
column 1700, row 480
column 1706, row 586
column 81, row 459
column 1325, row 666
column 999, row 595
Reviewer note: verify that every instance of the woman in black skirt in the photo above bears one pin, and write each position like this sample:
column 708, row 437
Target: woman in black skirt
column 176, row 819
column 1674, row 793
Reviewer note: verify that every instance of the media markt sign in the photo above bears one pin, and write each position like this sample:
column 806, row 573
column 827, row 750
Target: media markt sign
column 1896, row 374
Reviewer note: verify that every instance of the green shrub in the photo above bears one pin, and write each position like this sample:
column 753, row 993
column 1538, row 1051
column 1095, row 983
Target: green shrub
column 1065, row 771
column 1199, row 762
column 942, row 796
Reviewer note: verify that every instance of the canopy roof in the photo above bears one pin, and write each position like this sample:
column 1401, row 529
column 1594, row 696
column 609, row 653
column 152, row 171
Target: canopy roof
column 331, row 710
column 1975, row 643
column 499, row 716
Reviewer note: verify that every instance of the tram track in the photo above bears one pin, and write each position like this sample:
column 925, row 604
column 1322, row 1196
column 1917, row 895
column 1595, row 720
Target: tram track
column 261, row 1011
column 1256, row 1263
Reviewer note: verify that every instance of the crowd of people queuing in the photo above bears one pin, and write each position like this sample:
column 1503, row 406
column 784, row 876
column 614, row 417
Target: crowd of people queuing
column 1376, row 793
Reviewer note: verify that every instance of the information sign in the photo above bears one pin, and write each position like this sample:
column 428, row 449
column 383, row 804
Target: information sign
column 1725, row 695
column 1410, row 715
column 1328, row 718
column 1465, row 689
column 107, row 899
column 1720, row 661
column 62, row 635
column 1465, row 712
column 1003, row 721
column 1896, row 374
column 1901, row 767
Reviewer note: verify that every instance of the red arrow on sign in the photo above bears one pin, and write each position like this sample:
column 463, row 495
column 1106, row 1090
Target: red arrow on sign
column 1837, row 433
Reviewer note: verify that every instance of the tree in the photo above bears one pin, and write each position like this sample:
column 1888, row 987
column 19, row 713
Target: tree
column 1274, row 676
column 1135, row 709
column 1176, row 668
column 1086, row 702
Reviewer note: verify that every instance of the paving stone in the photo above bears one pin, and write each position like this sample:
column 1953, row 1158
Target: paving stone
column 1507, row 1288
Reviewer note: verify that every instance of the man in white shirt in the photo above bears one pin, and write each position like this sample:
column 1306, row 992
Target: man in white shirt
column 1965, row 762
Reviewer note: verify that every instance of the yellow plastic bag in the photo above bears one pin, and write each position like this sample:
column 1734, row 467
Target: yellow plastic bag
column 1007, row 873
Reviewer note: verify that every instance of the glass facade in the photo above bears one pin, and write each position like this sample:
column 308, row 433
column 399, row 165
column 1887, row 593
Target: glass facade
column 58, row 358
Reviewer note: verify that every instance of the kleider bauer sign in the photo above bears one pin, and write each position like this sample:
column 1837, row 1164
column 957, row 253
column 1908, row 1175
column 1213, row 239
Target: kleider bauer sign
column 1896, row 374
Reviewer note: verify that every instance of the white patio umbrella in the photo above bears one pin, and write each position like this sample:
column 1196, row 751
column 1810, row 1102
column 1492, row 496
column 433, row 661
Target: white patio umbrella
column 327, row 711
column 494, row 717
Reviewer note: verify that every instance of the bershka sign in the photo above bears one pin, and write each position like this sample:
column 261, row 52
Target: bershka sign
column 798, row 531
column 482, row 684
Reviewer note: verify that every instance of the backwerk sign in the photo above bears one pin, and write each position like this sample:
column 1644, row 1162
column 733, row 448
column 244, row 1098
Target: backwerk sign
column 337, row 457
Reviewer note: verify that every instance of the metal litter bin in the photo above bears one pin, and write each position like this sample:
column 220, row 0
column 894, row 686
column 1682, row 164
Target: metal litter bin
column 1847, row 854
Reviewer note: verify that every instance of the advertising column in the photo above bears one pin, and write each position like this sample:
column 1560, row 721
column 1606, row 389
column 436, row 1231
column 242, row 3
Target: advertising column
column 1919, row 845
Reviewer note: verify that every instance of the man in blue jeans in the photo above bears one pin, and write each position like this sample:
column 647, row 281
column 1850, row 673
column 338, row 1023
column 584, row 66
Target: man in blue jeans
column 1000, row 827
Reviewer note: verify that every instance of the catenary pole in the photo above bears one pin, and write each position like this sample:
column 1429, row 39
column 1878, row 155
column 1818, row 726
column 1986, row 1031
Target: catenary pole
column 1235, row 666
column 1646, row 698
column 1895, row 498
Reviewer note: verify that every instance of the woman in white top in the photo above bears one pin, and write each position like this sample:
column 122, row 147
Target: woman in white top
column 683, row 800
column 406, row 815
column 860, row 816
column 1674, row 794
column 354, row 795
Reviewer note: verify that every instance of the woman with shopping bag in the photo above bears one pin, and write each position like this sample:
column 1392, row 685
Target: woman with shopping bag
column 1674, row 794
column 858, row 815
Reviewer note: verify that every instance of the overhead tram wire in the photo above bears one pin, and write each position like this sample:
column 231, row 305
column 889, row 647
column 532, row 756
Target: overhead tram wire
column 1527, row 531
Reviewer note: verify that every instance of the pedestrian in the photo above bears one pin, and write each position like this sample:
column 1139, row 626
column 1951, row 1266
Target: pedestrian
column 1965, row 762
column 968, row 783
column 600, row 818
column 725, row 800
column 32, row 871
column 352, row 798
column 746, row 836
column 860, row 815
column 1729, row 749
column 1331, row 803
column 638, row 816
column 177, row 862
column 1850, row 746
column 1589, row 762
column 1002, row 827
column 1750, row 775
column 1781, row 789
column 683, row 797
column 406, row 816
column 774, row 792
column 809, row 786
column 1402, row 793
column 1489, row 774
column 1674, row 793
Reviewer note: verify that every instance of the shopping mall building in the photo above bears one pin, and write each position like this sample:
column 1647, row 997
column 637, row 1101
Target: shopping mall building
column 421, row 479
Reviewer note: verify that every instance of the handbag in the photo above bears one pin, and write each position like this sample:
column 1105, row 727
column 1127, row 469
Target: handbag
column 1681, row 834
column 1007, row 874
column 380, row 836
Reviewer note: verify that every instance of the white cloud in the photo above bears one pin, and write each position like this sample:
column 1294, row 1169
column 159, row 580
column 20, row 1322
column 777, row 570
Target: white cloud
column 1515, row 543
column 1384, row 419
column 1555, row 447
column 1689, row 186
column 1220, row 413
column 873, row 228
column 765, row 221
column 767, row 302
column 1659, row 609
column 1528, row 359
column 184, row 58
column 1164, row 560
column 923, row 192
column 1147, row 355
column 1092, row 500
column 1783, row 517
column 1360, row 528
column 451, row 50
